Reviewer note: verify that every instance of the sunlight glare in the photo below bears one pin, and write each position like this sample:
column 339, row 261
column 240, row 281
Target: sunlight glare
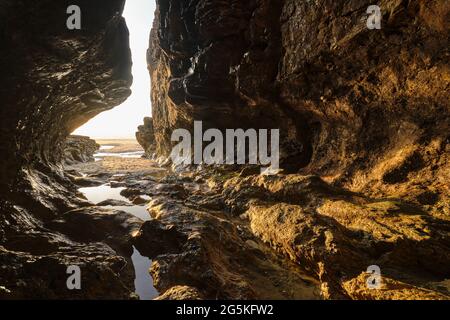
column 122, row 121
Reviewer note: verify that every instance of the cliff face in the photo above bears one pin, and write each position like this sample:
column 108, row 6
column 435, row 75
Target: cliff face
column 53, row 80
column 146, row 136
column 363, row 110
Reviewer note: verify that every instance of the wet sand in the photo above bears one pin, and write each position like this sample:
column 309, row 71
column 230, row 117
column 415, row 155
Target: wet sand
column 120, row 164
column 120, row 145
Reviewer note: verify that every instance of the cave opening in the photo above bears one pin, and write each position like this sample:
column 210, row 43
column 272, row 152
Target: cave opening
column 117, row 150
column 122, row 121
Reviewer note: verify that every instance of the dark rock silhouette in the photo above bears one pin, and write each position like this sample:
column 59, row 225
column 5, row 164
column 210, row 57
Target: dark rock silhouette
column 54, row 80
column 146, row 136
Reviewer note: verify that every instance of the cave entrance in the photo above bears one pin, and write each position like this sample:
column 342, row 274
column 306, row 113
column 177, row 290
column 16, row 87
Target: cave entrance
column 120, row 155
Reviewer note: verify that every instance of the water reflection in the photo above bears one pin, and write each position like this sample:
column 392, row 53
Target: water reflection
column 102, row 193
column 143, row 281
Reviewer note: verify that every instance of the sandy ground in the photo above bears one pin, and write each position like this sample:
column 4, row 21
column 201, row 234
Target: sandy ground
column 116, row 165
column 120, row 145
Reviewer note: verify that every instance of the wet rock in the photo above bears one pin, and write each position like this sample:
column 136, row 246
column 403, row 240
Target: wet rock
column 365, row 136
column 181, row 293
column 79, row 149
column 34, row 257
column 104, row 273
column 130, row 192
column 176, row 190
column 95, row 224
column 154, row 239
column 139, row 201
column 146, row 136
column 48, row 78
column 87, row 182
column 117, row 184
column 54, row 81
column 206, row 252
column 114, row 203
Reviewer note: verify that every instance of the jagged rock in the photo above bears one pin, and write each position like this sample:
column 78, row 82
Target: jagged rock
column 345, row 108
column 53, row 81
column 56, row 79
column 201, row 249
column 181, row 293
column 338, row 235
column 130, row 192
column 364, row 122
column 154, row 239
column 35, row 257
column 86, row 181
column 146, row 136
column 105, row 274
column 79, row 149
column 364, row 119
column 139, row 200
column 114, row 203
column 330, row 233
column 95, row 224
column 390, row 290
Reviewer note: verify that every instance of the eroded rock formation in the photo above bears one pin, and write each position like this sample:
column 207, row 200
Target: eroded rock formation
column 146, row 136
column 53, row 80
column 364, row 117
column 79, row 149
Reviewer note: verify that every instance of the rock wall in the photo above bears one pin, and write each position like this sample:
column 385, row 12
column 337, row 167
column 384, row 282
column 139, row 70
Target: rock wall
column 54, row 80
column 364, row 117
column 364, row 109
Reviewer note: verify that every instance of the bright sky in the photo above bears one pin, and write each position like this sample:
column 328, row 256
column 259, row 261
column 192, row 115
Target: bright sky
column 123, row 120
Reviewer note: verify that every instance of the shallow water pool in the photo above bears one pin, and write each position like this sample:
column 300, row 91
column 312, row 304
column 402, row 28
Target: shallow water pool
column 102, row 193
column 143, row 281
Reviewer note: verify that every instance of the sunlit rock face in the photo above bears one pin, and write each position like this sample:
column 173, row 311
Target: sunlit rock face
column 219, row 64
column 54, row 80
column 359, row 110
column 364, row 121
column 366, row 109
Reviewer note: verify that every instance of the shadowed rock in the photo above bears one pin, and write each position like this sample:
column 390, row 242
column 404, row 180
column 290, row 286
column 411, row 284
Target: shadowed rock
column 363, row 118
column 146, row 136
column 154, row 239
column 53, row 81
column 79, row 149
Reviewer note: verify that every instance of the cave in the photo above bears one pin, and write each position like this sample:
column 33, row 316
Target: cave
column 363, row 116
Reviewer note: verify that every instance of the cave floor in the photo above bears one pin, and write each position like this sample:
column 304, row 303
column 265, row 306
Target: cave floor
column 245, row 266
column 233, row 234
